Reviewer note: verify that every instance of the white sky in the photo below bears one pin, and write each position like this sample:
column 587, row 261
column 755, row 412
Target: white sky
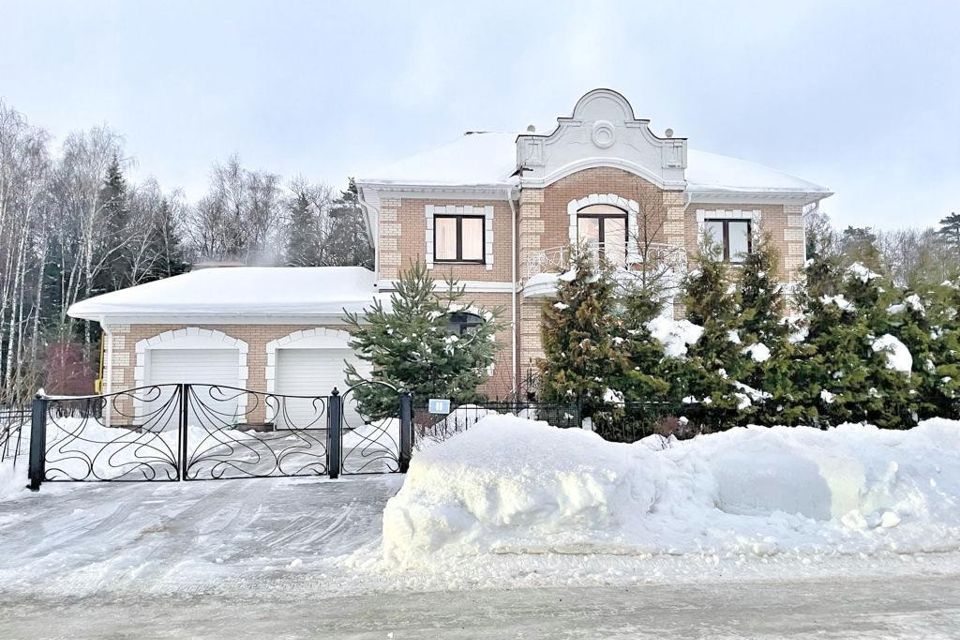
column 863, row 97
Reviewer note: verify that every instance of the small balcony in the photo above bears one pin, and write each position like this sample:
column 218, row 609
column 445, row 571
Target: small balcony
column 656, row 265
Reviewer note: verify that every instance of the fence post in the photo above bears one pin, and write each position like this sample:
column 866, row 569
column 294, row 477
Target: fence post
column 334, row 433
column 184, row 390
column 406, row 431
column 38, row 441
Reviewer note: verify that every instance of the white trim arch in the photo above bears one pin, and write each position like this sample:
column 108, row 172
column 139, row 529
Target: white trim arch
column 192, row 338
column 632, row 208
column 316, row 338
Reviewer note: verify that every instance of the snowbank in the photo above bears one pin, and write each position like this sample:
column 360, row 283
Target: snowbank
column 510, row 485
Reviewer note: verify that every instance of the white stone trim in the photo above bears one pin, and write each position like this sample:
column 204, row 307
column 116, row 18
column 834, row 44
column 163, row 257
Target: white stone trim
column 432, row 210
column 469, row 286
column 632, row 207
column 722, row 214
column 190, row 338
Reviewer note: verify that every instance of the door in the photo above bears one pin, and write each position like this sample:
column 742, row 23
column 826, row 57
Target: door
column 204, row 368
column 308, row 372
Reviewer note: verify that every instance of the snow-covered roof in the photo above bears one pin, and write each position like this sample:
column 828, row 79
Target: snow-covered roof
column 489, row 158
column 239, row 291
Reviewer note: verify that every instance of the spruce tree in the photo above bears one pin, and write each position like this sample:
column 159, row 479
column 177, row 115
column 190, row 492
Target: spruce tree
column 582, row 337
column 348, row 242
column 410, row 346
column 169, row 258
column 949, row 231
column 114, row 208
column 303, row 244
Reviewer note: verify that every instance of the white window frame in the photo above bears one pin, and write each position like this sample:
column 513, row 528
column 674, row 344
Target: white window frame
column 752, row 216
column 432, row 210
column 632, row 207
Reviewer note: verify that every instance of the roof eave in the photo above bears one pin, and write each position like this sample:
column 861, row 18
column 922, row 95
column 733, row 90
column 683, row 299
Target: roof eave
column 727, row 195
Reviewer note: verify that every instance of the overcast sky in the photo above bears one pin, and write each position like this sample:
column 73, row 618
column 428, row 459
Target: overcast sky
column 863, row 97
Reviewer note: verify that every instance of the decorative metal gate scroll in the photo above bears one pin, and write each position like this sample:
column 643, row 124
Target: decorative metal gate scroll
column 212, row 432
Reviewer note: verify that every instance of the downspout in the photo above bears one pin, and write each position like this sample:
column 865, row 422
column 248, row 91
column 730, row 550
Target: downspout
column 373, row 233
column 513, row 299
column 106, row 385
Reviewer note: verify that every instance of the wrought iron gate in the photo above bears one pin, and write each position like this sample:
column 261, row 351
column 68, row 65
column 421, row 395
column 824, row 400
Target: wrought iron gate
column 212, row 432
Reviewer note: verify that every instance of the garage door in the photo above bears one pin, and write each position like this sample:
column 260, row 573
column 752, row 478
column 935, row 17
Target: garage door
column 308, row 372
column 199, row 367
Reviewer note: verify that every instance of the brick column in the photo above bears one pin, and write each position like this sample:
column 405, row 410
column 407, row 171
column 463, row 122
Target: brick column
column 530, row 232
column 388, row 245
column 794, row 240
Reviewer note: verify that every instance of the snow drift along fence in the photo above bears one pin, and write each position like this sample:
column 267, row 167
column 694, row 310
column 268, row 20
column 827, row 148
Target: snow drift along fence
column 439, row 427
column 181, row 432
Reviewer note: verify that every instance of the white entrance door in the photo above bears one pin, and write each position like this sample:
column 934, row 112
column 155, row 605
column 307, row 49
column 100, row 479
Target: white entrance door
column 212, row 408
column 308, row 372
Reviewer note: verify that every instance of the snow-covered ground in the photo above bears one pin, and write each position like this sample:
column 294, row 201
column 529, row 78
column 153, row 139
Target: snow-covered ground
column 557, row 531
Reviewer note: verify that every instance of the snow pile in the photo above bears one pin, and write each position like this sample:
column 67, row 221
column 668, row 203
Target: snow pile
column 516, row 486
column 674, row 335
column 898, row 355
column 860, row 272
column 759, row 352
column 839, row 300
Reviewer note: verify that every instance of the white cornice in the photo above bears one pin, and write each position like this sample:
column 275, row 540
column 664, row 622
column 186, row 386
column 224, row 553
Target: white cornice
column 702, row 195
column 596, row 162
column 442, row 192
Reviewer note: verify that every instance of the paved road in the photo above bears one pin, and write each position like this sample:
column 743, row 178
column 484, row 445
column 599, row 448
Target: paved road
column 909, row 608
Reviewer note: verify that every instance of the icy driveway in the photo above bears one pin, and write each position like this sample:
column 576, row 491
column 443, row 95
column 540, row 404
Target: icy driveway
column 188, row 536
column 259, row 558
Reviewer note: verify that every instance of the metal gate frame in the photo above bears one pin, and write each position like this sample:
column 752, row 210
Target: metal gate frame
column 173, row 462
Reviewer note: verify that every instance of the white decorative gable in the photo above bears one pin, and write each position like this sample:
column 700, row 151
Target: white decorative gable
column 602, row 132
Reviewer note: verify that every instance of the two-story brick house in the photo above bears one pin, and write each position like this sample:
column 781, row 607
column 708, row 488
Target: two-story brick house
column 495, row 210
column 498, row 211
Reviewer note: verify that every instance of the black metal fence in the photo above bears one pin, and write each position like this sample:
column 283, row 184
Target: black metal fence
column 437, row 427
column 632, row 421
column 12, row 426
column 211, row 432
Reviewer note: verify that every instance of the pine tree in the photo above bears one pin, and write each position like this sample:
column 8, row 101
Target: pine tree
column 303, row 244
column 410, row 346
column 581, row 338
column 708, row 373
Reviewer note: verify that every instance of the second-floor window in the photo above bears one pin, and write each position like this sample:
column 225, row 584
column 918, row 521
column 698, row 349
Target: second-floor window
column 458, row 238
column 732, row 237
column 603, row 228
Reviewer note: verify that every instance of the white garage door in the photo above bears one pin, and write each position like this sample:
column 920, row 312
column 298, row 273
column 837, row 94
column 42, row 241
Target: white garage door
column 199, row 367
column 308, row 372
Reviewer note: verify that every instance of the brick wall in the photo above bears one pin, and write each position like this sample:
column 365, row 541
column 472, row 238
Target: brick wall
column 403, row 239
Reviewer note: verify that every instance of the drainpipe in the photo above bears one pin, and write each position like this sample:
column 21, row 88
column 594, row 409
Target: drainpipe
column 106, row 386
column 374, row 233
column 513, row 299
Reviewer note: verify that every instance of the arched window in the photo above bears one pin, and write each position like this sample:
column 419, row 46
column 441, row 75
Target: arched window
column 603, row 228
column 462, row 322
